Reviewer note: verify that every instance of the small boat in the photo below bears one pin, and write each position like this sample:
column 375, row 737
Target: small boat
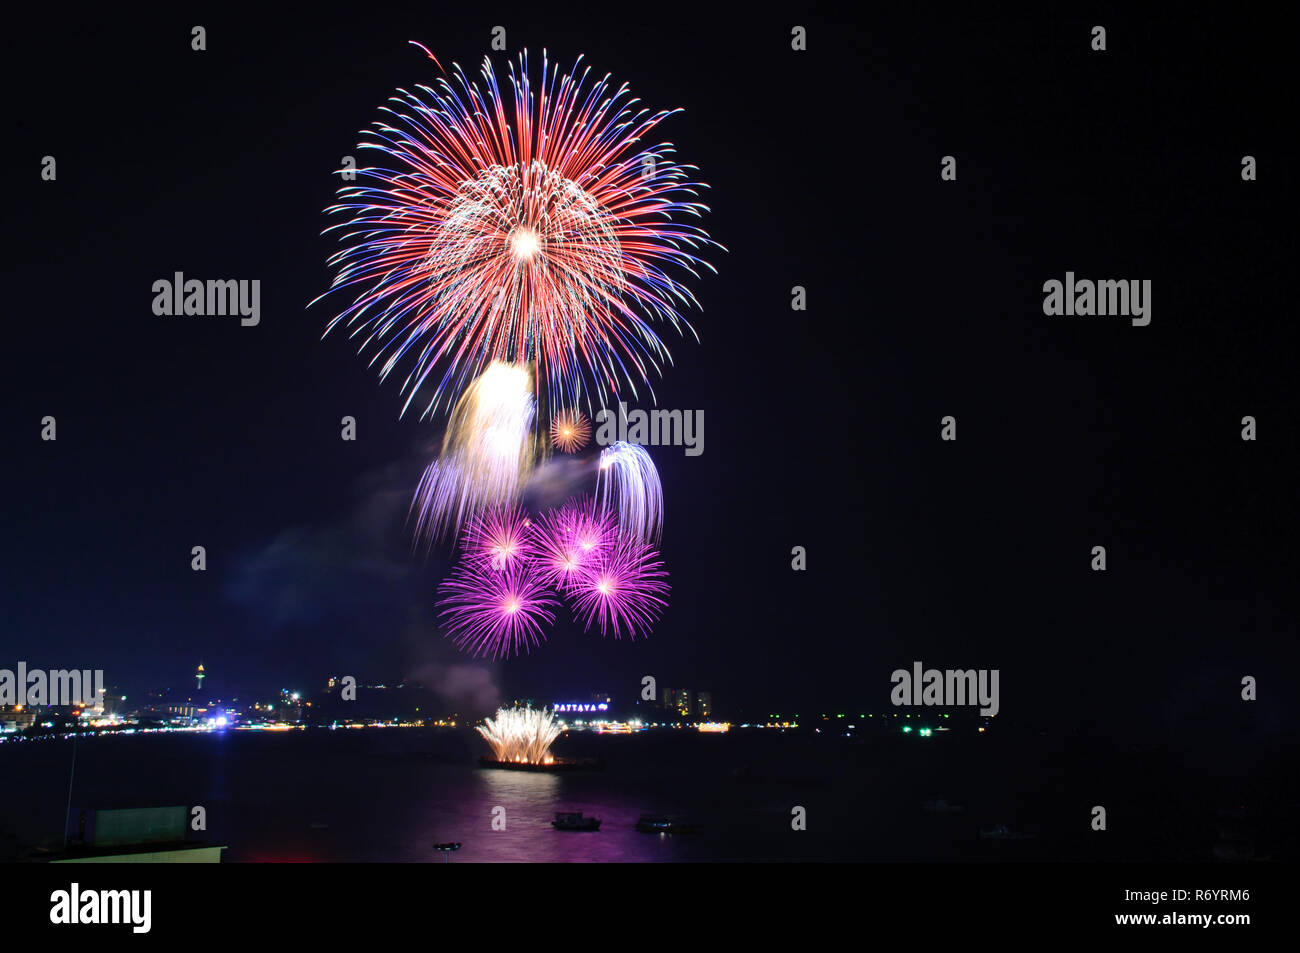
column 1235, row 851
column 745, row 775
column 665, row 824
column 574, row 821
column 447, row 848
column 1236, row 836
column 940, row 805
column 1002, row 832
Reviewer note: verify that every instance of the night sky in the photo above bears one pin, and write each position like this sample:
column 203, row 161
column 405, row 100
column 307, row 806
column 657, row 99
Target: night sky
column 821, row 427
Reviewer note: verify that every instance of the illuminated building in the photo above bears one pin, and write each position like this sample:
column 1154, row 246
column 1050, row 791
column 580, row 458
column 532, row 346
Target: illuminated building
column 678, row 700
column 289, row 707
column 688, row 703
column 17, row 717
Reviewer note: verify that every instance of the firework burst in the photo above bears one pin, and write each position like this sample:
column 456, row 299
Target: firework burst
column 533, row 228
column 503, row 537
column 625, row 591
column 493, row 612
column 570, row 541
column 570, row 431
column 522, row 735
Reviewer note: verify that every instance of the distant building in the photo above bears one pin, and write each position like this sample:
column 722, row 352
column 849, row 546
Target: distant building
column 289, row 708
column 679, row 701
column 17, row 717
column 687, row 703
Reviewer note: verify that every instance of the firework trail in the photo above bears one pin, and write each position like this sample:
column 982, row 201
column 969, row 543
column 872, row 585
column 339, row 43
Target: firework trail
column 628, row 484
column 570, row 431
column 536, row 228
column 487, row 453
column 570, row 541
column 493, row 612
column 522, row 735
column 625, row 591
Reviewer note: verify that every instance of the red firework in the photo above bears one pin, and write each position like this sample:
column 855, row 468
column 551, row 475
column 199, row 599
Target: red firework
column 537, row 230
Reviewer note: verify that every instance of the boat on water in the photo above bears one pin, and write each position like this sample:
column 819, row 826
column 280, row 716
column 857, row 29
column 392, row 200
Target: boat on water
column 555, row 764
column 1236, row 836
column 446, row 849
column 574, row 821
column 1002, row 832
column 666, row 824
column 940, row 805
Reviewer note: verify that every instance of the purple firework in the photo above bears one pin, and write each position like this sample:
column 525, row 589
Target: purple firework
column 502, row 536
column 625, row 590
column 494, row 612
column 570, row 540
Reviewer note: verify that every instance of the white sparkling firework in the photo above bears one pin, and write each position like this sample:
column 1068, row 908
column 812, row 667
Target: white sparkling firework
column 487, row 453
column 522, row 735
column 628, row 484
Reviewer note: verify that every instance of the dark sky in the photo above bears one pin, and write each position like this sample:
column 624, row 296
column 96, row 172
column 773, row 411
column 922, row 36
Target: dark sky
column 821, row 427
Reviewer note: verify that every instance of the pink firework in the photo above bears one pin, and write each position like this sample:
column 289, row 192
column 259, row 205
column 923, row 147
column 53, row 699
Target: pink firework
column 625, row 590
column 495, row 613
column 571, row 540
column 502, row 537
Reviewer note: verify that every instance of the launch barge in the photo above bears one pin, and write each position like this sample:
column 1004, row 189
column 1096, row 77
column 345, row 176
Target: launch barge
column 555, row 764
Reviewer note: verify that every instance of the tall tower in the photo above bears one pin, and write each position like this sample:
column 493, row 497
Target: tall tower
column 199, row 677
